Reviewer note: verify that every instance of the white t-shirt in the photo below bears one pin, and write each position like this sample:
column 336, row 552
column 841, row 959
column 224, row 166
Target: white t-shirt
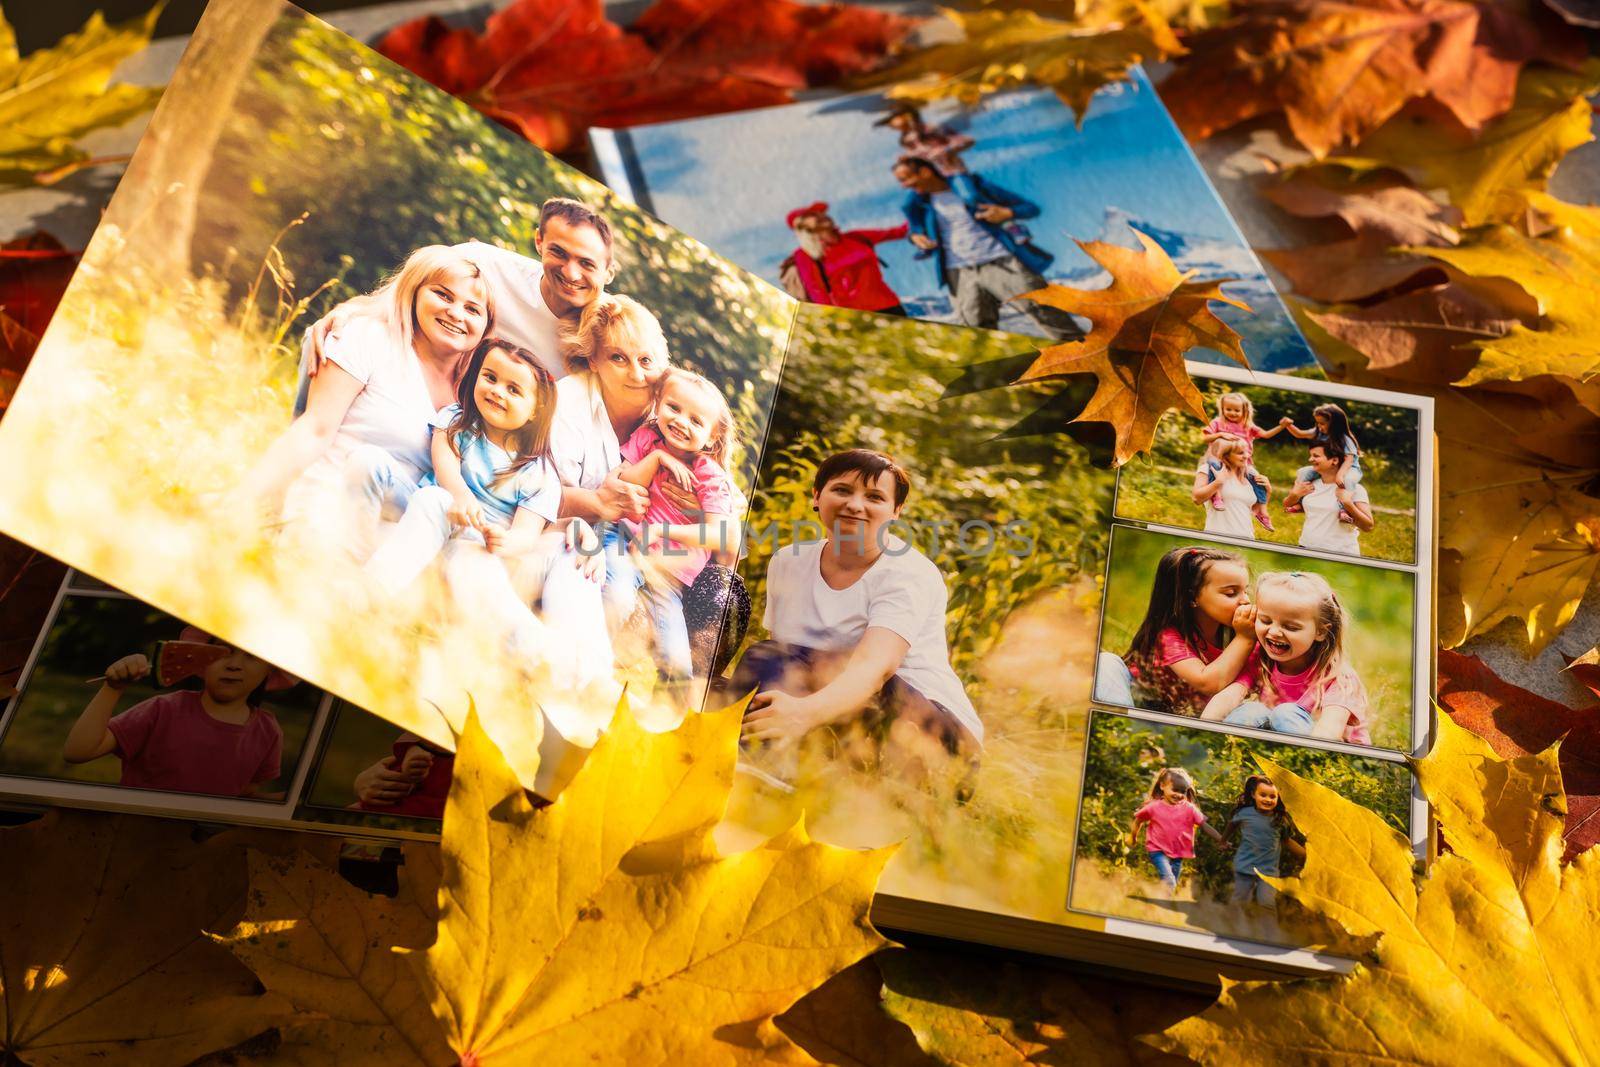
column 1323, row 529
column 903, row 591
column 520, row 314
column 392, row 411
column 583, row 442
column 1237, row 500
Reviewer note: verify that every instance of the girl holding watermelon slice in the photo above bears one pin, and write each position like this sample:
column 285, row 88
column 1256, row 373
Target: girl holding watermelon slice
column 216, row 738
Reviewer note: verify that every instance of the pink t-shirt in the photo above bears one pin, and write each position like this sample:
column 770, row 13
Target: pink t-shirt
column 1171, row 826
column 1247, row 434
column 1164, row 688
column 170, row 742
column 712, row 487
column 1343, row 689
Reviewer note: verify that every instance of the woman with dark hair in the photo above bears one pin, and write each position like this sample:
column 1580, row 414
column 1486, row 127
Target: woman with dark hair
column 857, row 624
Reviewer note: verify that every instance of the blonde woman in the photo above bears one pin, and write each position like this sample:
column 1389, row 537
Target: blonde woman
column 363, row 438
column 1229, row 484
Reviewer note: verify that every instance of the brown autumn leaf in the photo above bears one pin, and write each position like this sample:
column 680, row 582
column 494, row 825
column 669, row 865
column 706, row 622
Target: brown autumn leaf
column 104, row 956
column 1143, row 323
column 329, row 950
column 971, row 1012
column 1355, row 269
column 1339, row 69
column 1517, row 723
column 29, row 581
column 34, row 271
column 1422, row 333
column 1586, row 669
column 842, row 1023
column 1377, row 204
column 1489, row 173
column 1001, row 50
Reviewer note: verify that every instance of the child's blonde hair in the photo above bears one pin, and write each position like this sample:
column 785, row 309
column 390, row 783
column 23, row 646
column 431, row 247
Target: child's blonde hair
column 720, row 445
column 1223, row 446
column 1243, row 401
column 421, row 267
column 1328, row 660
column 1181, row 782
column 619, row 321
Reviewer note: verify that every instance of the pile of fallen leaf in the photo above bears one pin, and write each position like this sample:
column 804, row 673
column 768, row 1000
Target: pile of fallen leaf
column 608, row 928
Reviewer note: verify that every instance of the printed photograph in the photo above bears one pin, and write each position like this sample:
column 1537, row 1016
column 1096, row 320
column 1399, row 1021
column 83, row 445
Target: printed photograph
column 123, row 694
column 945, row 212
column 923, row 606
column 1285, row 466
column 1178, row 825
column 1256, row 638
column 371, row 774
column 420, row 412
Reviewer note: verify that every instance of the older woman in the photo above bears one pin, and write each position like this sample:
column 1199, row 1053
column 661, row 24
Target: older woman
column 1232, row 487
column 617, row 355
column 858, row 624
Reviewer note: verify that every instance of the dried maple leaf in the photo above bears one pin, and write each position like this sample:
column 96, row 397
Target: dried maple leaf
column 1488, row 174
column 842, row 1023
column 1001, row 50
column 606, row 924
column 1586, row 668
column 1517, row 723
column 1143, row 323
column 1484, row 961
column 1559, row 272
column 328, row 949
column 1422, row 333
column 549, row 69
column 56, row 95
column 1339, row 69
column 102, row 954
column 34, row 271
column 966, row 1011
column 1376, row 205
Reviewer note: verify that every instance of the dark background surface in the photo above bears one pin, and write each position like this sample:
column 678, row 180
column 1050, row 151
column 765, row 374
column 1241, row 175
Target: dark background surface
column 40, row 22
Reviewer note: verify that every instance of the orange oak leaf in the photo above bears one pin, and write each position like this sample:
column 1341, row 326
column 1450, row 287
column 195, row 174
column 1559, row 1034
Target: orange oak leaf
column 549, row 69
column 1516, row 723
column 1143, row 323
column 1338, row 69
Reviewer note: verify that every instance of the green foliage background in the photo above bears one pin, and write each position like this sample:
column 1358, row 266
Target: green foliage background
column 89, row 633
column 380, row 163
column 1155, row 487
column 857, row 381
column 1380, row 604
column 1126, row 754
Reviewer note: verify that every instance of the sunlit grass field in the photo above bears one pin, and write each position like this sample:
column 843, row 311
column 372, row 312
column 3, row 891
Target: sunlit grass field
column 1381, row 604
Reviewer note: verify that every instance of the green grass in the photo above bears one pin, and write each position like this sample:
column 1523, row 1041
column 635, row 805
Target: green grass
column 1380, row 603
column 1156, row 487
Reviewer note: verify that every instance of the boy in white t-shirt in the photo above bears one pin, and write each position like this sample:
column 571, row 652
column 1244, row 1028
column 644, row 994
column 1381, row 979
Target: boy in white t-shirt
column 857, row 626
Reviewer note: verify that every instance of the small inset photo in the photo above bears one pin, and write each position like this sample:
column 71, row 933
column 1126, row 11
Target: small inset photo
column 122, row 694
column 373, row 774
column 1288, row 466
column 1178, row 825
column 1257, row 638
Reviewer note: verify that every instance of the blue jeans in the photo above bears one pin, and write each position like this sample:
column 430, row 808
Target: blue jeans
column 1250, row 475
column 1249, row 888
column 1113, row 682
column 1285, row 718
column 1170, row 868
column 673, row 657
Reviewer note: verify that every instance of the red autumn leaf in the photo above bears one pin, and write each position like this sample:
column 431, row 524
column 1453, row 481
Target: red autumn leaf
column 550, row 69
column 34, row 271
column 1516, row 722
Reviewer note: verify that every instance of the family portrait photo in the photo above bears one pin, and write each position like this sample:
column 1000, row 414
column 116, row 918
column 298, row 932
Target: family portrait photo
column 947, row 213
column 1260, row 639
column 923, row 611
column 1178, row 824
column 1286, row 466
column 121, row 694
column 453, row 426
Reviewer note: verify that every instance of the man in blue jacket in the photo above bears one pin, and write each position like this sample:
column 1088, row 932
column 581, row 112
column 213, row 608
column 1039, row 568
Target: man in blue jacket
column 975, row 253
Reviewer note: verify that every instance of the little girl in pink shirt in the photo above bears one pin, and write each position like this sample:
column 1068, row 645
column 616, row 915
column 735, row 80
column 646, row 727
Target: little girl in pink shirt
column 1171, row 816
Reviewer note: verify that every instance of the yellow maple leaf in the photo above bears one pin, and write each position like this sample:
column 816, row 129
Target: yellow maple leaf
column 56, row 95
column 1143, row 323
column 1002, row 50
column 328, row 949
column 1489, row 174
column 1559, row 272
column 102, row 954
column 1486, row 962
column 608, row 921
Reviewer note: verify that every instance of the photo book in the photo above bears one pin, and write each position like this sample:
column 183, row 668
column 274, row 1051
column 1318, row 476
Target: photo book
column 362, row 412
